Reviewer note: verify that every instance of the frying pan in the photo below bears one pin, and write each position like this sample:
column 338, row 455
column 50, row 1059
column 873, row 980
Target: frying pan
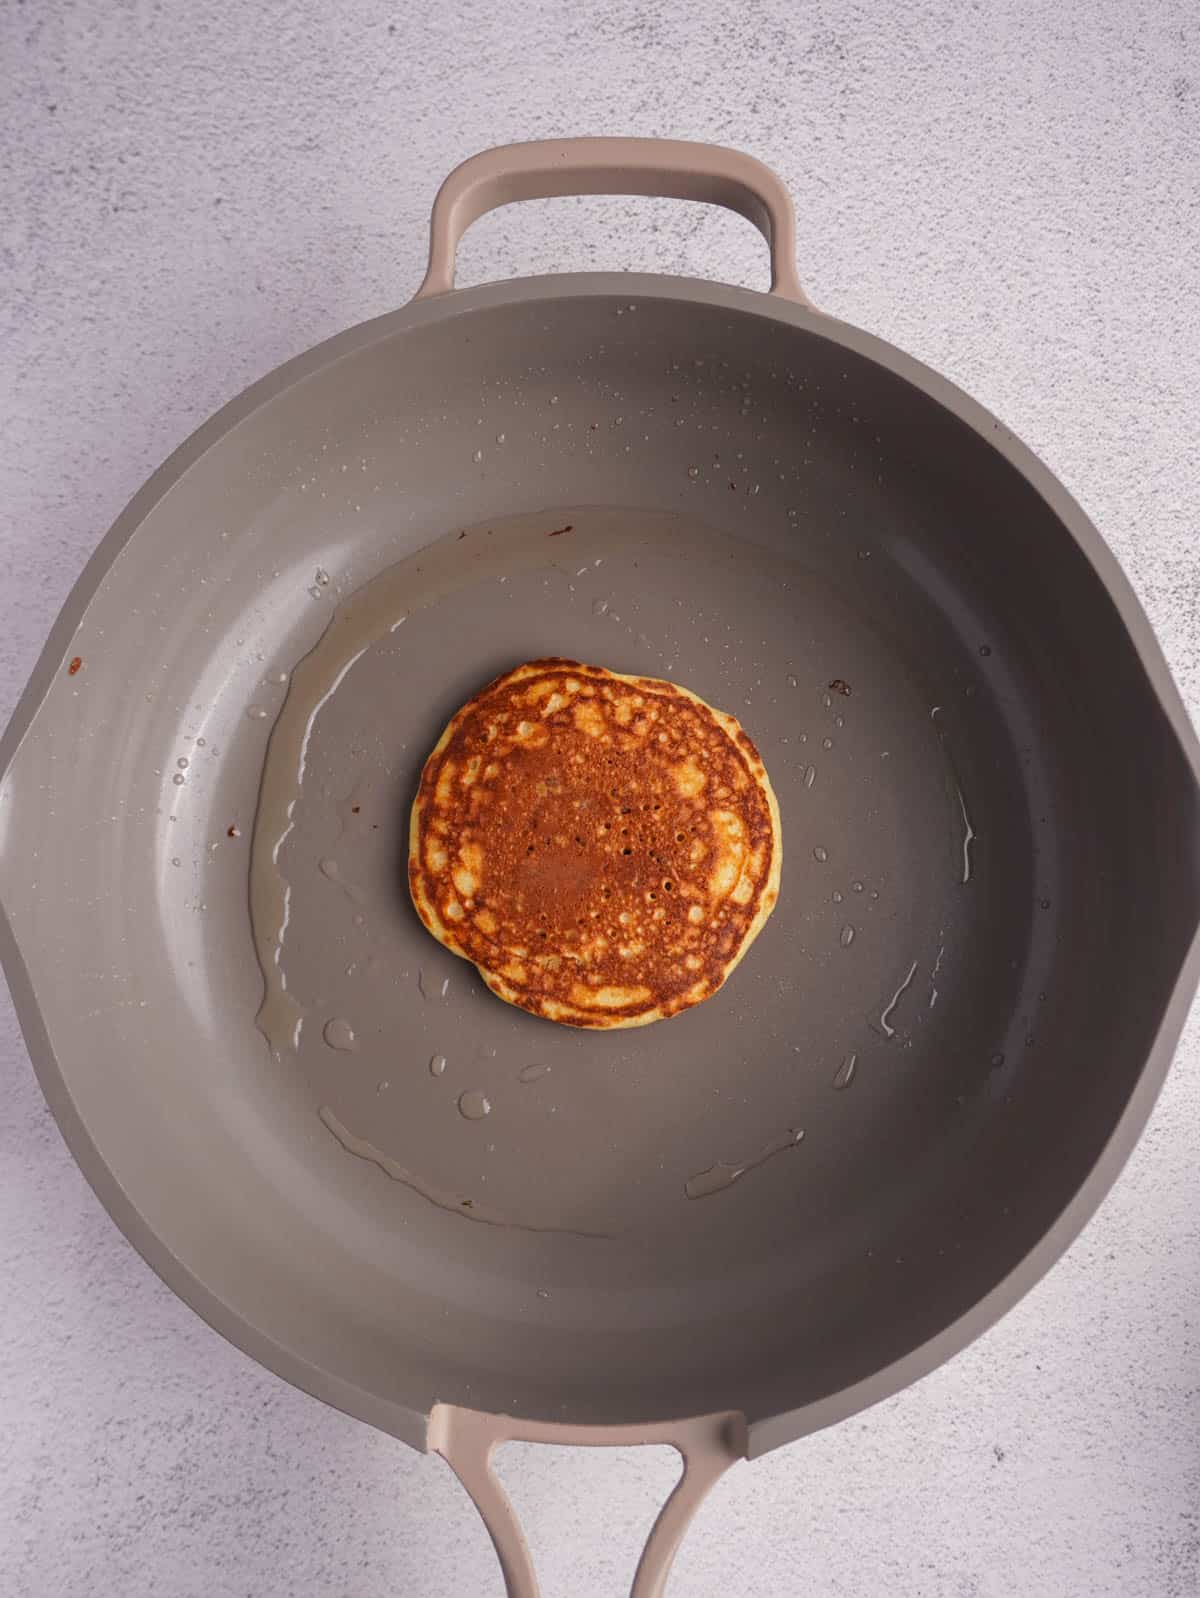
column 720, row 1232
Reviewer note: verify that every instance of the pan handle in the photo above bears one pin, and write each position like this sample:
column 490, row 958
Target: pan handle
column 467, row 1439
column 671, row 168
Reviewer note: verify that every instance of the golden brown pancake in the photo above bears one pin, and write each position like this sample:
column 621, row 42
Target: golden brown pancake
column 604, row 848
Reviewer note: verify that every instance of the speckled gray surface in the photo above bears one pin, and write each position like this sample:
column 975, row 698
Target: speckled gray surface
column 193, row 194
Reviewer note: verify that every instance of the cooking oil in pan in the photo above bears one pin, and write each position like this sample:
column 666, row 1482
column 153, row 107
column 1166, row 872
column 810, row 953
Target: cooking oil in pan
column 339, row 1034
column 722, row 1175
column 474, row 1105
column 845, row 1072
column 292, row 805
column 468, row 1208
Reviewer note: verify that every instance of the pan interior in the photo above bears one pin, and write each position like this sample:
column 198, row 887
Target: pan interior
column 400, row 1041
column 981, row 801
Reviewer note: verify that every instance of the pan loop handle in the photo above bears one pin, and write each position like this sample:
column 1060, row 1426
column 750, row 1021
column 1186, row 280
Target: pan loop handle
column 669, row 168
column 467, row 1439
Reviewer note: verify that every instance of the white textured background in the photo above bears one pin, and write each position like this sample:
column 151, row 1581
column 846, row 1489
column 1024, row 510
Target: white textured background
column 192, row 193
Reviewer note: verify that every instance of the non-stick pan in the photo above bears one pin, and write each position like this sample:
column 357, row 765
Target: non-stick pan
column 725, row 1230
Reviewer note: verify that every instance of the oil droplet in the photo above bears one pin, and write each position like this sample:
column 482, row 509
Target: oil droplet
column 179, row 779
column 847, row 936
column 477, row 457
column 437, row 1065
column 532, row 1073
column 885, row 1026
column 826, row 743
column 257, row 713
column 339, row 1034
column 845, row 1072
column 933, row 976
column 599, row 606
column 429, row 987
column 857, row 886
column 175, row 860
column 821, row 853
column 332, row 872
column 474, row 1105
column 968, row 837
column 200, row 742
column 722, row 1175
column 183, row 762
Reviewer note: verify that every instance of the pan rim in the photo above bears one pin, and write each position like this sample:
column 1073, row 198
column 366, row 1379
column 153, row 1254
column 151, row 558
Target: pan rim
column 408, row 1425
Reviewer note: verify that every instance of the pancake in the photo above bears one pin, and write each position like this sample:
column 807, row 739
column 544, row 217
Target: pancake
column 604, row 848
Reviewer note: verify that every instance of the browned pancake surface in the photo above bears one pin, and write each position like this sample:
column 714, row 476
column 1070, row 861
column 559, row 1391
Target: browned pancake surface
column 603, row 848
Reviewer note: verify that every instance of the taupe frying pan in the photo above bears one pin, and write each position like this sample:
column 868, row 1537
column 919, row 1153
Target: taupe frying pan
column 965, row 1001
